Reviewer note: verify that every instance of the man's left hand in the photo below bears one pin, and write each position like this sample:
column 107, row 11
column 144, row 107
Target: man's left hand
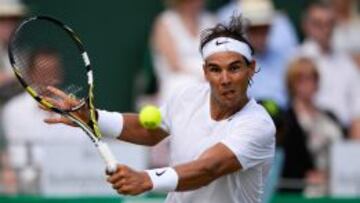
column 127, row 181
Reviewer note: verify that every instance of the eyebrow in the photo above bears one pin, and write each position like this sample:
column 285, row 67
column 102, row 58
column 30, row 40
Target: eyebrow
column 232, row 63
column 237, row 61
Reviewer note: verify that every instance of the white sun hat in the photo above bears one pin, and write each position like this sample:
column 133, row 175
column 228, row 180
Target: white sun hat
column 259, row 12
column 10, row 8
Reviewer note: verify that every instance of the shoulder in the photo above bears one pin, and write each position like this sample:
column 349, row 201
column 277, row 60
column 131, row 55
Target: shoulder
column 166, row 17
column 254, row 113
column 254, row 120
column 252, row 136
column 161, row 21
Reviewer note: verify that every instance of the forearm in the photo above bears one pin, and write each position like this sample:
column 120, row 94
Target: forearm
column 212, row 164
column 195, row 175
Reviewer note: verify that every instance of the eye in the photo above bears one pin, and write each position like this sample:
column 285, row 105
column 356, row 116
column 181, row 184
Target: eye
column 234, row 68
column 214, row 69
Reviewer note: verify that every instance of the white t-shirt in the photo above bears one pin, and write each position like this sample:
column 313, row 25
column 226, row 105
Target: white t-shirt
column 249, row 134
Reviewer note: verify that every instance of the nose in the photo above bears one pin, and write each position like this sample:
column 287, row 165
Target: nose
column 225, row 78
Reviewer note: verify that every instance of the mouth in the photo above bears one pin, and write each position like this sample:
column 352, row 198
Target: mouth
column 228, row 93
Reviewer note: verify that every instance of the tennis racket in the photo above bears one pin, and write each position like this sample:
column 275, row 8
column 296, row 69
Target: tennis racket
column 47, row 56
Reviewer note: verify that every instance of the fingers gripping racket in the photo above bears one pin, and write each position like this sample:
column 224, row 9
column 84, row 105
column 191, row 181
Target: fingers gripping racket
column 45, row 53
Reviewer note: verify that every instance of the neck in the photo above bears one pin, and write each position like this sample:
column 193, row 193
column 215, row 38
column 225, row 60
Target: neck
column 220, row 111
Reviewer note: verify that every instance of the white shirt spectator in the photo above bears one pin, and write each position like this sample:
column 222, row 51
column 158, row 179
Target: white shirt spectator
column 339, row 82
column 187, row 49
column 23, row 125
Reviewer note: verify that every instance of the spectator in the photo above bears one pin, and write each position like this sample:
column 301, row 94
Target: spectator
column 347, row 29
column 11, row 12
column 271, row 60
column 309, row 131
column 175, row 41
column 282, row 34
column 175, row 46
column 340, row 79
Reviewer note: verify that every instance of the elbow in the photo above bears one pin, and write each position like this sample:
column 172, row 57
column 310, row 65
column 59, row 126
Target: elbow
column 153, row 142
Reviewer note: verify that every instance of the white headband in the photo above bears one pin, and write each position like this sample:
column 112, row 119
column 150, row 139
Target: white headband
column 223, row 44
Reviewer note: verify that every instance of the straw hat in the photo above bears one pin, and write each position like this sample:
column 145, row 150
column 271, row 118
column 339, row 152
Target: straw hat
column 259, row 12
column 12, row 8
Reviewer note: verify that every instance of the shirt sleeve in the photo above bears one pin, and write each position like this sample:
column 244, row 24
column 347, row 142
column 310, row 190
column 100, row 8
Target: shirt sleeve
column 253, row 142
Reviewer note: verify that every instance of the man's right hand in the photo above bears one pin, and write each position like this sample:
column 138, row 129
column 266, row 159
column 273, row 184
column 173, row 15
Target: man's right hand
column 65, row 102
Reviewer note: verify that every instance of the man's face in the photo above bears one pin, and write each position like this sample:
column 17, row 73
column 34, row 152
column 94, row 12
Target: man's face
column 258, row 37
column 228, row 75
column 319, row 25
column 306, row 83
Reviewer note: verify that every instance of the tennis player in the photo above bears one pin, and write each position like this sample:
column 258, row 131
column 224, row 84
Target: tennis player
column 222, row 141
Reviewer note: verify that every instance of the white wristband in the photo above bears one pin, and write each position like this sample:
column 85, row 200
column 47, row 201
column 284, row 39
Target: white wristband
column 110, row 123
column 163, row 179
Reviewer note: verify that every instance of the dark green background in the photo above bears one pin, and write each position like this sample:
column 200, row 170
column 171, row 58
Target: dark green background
column 115, row 35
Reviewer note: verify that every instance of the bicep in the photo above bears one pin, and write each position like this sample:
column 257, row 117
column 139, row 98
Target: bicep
column 221, row 160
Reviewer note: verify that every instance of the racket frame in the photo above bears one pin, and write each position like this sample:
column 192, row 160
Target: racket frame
column 91, row 129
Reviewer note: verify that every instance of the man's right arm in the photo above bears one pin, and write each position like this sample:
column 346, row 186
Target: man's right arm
column 124, row 126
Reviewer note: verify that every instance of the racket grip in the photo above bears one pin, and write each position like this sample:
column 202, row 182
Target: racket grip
column 108, row 157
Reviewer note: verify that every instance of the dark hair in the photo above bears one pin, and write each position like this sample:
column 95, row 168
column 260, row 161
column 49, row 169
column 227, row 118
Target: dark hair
column 235, row 29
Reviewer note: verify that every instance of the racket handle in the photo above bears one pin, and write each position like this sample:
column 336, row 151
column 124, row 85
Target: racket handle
column 108, row 157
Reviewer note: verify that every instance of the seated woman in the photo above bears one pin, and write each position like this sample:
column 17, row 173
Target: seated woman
column 308, row 132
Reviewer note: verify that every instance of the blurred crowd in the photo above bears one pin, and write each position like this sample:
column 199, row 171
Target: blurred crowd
column 310, row 86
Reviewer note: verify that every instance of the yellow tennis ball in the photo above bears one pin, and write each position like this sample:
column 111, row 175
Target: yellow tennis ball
column 150, row 117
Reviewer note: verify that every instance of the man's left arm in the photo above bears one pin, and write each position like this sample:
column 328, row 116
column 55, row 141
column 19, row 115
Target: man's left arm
column 215, row 162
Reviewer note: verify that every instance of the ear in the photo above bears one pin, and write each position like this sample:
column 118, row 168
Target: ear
column 252, row 68
column 205, row 70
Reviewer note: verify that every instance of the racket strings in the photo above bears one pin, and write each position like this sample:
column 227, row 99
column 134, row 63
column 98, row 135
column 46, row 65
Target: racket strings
column 46, row 55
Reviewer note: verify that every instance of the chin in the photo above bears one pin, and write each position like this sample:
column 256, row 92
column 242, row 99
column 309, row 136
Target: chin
column 229, row 104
